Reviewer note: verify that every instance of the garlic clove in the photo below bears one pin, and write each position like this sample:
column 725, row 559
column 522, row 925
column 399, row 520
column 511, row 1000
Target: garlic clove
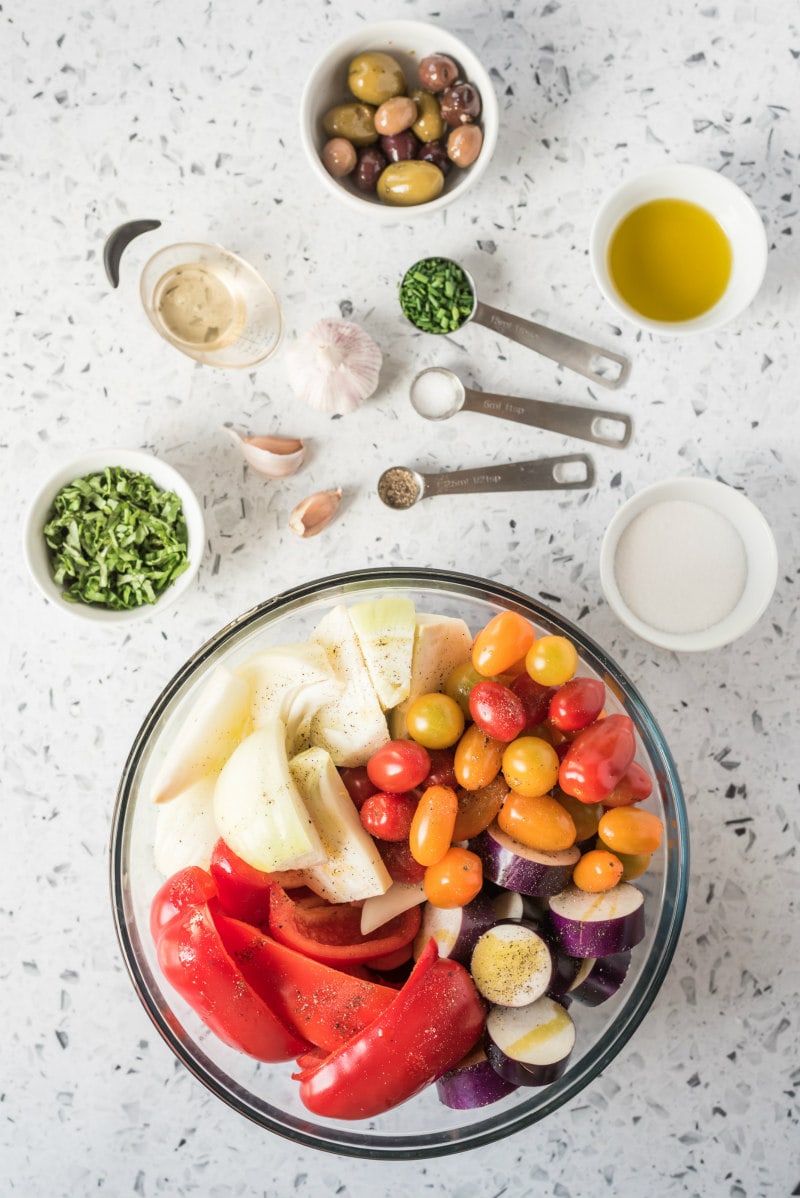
column 274, row 457
column 315, row 512
column 334, row 367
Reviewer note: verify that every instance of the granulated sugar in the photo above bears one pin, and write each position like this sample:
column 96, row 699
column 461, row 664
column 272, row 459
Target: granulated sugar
column 680, row 566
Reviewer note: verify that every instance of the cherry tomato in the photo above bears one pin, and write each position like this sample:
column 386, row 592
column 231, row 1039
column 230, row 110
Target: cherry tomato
column 435, row 721
column 388, row 816
column 460, row 682
column 432, row 826
column 396, row 856
column 530, row 765
column 538, row 821
column 442, row 771
column 455, row 880
column 358, row 783
column 577, row 704
column 634, row 785
column 496, row 710
column 552, row 660
column 633, row 864
column 630, row 830
column 585, row 816
column 506, row 638
column 478, row 758
column 398, row 765
column 597, row 870
column 477, row 808
column 597, row 758
column 535, row 699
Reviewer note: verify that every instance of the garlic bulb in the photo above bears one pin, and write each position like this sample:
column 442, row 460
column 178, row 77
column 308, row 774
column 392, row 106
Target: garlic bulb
column 334, row 367
column 274, row 457
column 315, row 512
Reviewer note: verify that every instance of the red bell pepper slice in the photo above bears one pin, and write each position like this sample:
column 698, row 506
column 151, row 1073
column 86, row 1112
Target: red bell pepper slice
column 434, row 1020
column 597, row 759
column 331, row 932
column 243, row 890
column 195, row 962
column 324, row 1005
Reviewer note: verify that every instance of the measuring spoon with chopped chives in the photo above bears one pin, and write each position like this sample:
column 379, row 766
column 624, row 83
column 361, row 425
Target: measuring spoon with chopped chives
column 437, row 295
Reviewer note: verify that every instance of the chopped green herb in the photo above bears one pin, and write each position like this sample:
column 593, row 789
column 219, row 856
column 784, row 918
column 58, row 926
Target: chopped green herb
column 116, row 539
column 436, row 296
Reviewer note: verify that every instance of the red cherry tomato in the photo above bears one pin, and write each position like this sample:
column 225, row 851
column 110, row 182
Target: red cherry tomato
column 442, row 771
column 506, row 638
column 388, row 816
column 577, row 704
column 399, row 765
column 496, row 710
column 396, row 856
column 358, row 784
column 535, row 699
column 634, row 785
column 597, row 758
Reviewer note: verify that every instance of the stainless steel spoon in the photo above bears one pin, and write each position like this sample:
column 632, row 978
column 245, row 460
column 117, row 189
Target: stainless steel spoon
column 602, row 366
column 400, row 487
column 438, row 394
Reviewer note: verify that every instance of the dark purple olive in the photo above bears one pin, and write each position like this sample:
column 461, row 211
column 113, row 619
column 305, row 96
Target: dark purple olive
column 436, row 72
column 460, row 104
column 371, row 164
column 400, row 146
column 436, row 152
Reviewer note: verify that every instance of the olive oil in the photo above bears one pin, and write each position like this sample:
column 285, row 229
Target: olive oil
column 670, row 260
column 197, row 307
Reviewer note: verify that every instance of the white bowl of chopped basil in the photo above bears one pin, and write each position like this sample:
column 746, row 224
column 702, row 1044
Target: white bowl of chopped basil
column 114, row 536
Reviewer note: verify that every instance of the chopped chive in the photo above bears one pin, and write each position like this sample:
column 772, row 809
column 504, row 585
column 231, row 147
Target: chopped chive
column 435, row 295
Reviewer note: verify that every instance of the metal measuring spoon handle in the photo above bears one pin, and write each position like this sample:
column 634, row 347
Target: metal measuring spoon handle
column 589, row 360
column 602, row 427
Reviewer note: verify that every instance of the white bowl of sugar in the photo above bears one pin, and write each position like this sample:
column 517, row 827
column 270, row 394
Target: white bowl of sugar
column 689, row 564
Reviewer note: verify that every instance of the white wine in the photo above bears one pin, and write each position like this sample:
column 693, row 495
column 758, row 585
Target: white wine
column 198, row 308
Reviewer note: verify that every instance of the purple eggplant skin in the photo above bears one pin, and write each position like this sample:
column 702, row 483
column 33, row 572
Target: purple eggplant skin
column 476, row 918
column 472, row 1084
column 565, row 971
column 598, row 938
column 523, row 1075
column 516, row 871
column 603, row 980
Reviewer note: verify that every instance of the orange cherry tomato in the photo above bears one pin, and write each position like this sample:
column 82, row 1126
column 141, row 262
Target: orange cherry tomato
column 455, row 880
column 597, row 870
column 477, row 808
column 506, row 638
column 538, row 821
column 432, row 825
column 552, row 660
column 477, row 759
column 630, row 830
column 530, row 765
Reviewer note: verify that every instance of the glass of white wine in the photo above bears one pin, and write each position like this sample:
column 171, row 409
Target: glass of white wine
column 211, row 305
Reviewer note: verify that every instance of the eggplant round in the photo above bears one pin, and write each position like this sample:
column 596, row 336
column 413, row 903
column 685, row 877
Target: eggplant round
column 472, row 1083
column 531, row 1045
column 519, row 868
column 511, row 964
column 456, row 930
column 597, row 925
column 602, row 979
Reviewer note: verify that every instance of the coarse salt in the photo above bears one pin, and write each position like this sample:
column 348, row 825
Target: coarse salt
column 680, row 566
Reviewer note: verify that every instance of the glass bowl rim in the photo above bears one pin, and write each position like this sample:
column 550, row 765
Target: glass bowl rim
column 368, row 1145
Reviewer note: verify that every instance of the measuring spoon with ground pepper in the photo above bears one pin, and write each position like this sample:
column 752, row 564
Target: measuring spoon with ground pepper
column 400, row 487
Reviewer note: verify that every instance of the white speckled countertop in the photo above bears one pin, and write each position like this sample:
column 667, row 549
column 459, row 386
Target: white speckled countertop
column 188, row 113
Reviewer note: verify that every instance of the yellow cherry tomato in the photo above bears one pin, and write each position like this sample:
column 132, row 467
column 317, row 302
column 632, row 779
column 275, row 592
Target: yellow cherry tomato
column 435, row 721
column 552, row 660
column 530, row 765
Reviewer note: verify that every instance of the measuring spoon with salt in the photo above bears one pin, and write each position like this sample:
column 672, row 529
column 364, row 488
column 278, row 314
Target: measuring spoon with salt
column 602, row 366
column 400, row 487
column 438, row 394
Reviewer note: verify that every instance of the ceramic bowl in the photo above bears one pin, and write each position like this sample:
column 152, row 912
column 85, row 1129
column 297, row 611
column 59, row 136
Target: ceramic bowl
column 759, row 557
column 408, row 42
column 37, row 555
column 730, row 207
column 266, row 1094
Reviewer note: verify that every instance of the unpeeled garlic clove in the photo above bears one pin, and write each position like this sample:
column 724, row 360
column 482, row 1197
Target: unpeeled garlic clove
column 315, row 512
column 274, row 457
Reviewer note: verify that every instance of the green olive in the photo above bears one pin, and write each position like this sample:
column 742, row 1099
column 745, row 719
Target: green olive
column 354, row 121
column 375, row 77
column 429, row 125
column 412, row 181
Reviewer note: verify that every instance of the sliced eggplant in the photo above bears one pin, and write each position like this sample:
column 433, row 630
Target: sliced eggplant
column 472, row 1083
column 601, row 980
column 455, row 929
column 598, row 925
column 530, row 1045
column 511, row 964
column 519, row 868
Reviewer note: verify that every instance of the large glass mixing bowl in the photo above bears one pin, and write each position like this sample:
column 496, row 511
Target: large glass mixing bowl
column 266, row 1094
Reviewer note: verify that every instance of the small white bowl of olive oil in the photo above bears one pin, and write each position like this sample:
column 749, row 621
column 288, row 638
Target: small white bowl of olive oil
column 680, row 249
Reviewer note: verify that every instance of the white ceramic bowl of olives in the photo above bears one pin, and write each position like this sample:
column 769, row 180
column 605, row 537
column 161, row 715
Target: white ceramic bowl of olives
column 400, row 117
